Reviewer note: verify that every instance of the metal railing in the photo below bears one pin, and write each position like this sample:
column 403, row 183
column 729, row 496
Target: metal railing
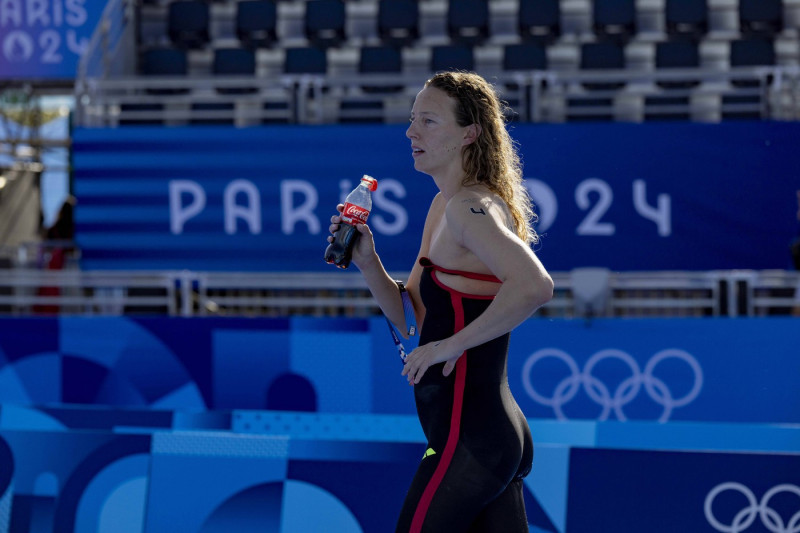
column 31, row 291
column 535, row 96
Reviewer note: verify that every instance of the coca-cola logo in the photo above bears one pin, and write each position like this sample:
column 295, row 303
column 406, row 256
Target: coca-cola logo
column 354, row 214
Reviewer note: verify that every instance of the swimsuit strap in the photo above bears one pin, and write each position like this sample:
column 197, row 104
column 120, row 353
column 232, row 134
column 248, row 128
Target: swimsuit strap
column 427, row 263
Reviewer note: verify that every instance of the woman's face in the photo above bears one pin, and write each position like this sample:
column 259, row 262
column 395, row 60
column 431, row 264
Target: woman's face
column 436, row 138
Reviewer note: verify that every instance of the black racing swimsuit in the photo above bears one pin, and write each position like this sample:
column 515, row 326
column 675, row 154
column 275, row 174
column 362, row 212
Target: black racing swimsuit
column 479, row 443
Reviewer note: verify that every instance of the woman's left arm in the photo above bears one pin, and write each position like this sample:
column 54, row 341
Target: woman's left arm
column 526, row 285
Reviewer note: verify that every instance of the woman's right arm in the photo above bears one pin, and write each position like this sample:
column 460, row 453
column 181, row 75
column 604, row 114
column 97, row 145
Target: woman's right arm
column 381, row 285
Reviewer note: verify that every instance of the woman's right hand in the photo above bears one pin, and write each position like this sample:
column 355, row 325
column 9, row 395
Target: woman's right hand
column 365, row 246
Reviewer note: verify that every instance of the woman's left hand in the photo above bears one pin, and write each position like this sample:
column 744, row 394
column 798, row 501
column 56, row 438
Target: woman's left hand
column 421, row 358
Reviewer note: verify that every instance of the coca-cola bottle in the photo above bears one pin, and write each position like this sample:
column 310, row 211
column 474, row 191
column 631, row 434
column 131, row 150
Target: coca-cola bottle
column 357, row 206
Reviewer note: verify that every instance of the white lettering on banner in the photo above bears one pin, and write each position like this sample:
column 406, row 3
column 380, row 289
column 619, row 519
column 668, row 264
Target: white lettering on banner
column 250, row 213
column 597, row 197
column 10, row 13
column 74, row 45
column 58, row 13
column 178, row 214
column 33, row 14
column 49, row 41
column 37, row 13
column 660, row 214
column 304, row 212
column 17, row 47
column 591, row 225
column 298, row 200
column 545, row 203
column 76, row 13
column 378, row 221
column 30, row 17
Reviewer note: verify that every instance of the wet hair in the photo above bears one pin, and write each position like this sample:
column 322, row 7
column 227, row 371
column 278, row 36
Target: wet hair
column 492, row 159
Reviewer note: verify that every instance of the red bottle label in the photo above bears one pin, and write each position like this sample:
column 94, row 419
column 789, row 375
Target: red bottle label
column 354, row 214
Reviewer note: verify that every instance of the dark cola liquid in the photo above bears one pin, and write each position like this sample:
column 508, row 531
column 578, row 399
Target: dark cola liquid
column 340, row 251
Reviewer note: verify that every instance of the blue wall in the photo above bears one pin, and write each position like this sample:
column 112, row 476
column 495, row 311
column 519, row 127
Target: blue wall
column 654, row 196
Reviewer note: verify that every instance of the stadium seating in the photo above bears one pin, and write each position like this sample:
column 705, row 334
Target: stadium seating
column 164, row 61
column 398, row 22
column 760, row 17
column 235, row 62
column 256, row 23
column 539, row 20
column 677, row 54
column 605, row 55
column 751, row 52
column 306, row 60
column 188, row 23
column 524, row 57
column 468, row 21
column 380, row 60
column 452, row 57
column 325, row 22
column 411, row 38
column 614, row 19
column 686, row 18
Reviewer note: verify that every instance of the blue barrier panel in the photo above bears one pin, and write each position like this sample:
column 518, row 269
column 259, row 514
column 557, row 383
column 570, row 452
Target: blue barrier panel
column 724, row 370
column 628, row 197
column 706, row 370
column 665, row 492
column 270, row 475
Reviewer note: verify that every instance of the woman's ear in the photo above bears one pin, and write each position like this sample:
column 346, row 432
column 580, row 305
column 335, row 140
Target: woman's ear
column 471, row 133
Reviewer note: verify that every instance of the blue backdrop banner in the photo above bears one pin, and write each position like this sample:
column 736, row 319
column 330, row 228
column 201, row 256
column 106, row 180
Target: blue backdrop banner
column 625, row 196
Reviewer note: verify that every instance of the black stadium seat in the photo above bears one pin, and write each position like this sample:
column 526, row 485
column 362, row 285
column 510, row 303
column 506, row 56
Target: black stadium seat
column 452, row 57
column 325, row 22
column 524, row 56
column 760, row 17
column 539, row 20
column 677, row 54
column 164, row 62
column 602, row 56
column 398, row 22
column 614, row 19
column 754, row 52
column 468, row 21
column 380, row 60
column 686, row 18
column 305, row 60
column 188, row 23
column 234, row 62
column 256, row 22
column 684, row 54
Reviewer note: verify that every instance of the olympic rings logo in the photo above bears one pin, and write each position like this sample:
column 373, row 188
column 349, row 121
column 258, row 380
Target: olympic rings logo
column 625, row 392
column 744, row 518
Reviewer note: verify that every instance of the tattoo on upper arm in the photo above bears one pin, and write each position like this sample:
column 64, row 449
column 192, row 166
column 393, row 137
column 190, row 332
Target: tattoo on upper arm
column 478, row 211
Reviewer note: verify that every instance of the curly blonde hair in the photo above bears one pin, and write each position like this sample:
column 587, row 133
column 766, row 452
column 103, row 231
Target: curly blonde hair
column 492, row 159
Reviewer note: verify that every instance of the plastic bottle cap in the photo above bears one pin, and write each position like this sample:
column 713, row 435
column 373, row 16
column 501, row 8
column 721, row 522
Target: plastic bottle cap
column 371, row 182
